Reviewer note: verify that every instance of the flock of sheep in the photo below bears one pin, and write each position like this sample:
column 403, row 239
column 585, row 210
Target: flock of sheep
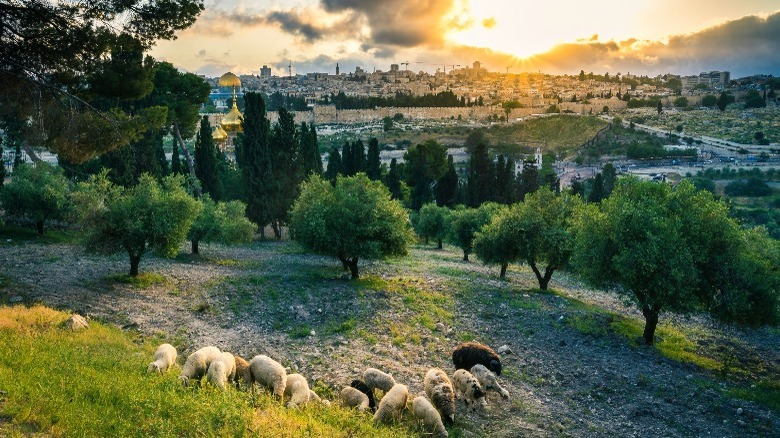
column 476, row 369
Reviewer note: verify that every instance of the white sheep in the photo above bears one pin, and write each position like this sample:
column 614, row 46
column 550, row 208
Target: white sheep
column 439, row 390
column 269, row 373
column 297, row 389
column 392, row 404
column 222, row 370
column 164, row 358
column 197, row 364
column 428, row 416
column 377, row 379
column 468, row 386
column 313, row 396
column 488, row 380
column 353, row 398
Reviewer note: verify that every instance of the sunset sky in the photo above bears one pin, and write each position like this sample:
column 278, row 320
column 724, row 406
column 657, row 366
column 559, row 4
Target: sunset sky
column 552, row 36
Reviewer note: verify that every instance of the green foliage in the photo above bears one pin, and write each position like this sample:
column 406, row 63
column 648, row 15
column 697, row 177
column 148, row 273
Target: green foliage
column 309, row 150
column 681, row 102
column 433, row 222
column 37, row 193
column 206, row 160
column 149, row 216
column 425, row 163
column 481, row 182
column 253, row 155
column 447, row 185
column 334, row 165
column 286, row 170
column 222, row 222
column 709, row 100
column 667, row 249
column 465, row 222
column 752, row 186
column 373, row 165
column 354, row 220
column 724, row 100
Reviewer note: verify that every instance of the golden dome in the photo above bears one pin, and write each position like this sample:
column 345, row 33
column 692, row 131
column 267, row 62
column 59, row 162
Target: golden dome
column 232, row 120
column 229, row 80
column 219, row 135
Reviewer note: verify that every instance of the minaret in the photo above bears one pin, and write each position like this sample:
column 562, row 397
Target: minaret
column 337, row 69
column 538, row 157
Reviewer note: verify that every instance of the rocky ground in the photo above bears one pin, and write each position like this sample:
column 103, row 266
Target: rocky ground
column 567, row 372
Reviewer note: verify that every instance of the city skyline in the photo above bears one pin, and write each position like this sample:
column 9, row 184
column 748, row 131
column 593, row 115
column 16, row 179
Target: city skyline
column 558, row 37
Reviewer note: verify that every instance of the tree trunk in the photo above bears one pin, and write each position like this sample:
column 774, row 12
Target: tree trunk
column 30, row 152
column 503, row 270
column 277, row 230
column 440, row 246
column 39, row 227
column 353, row 267
column 187, row 156
column 195, row 247
column 262, row 232
column 543, row 280
column 651, row 321
column 134, row 261
column 465, row 256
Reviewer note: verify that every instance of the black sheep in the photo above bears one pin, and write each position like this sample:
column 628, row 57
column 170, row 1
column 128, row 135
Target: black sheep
column 362, row 387
column 468, row 354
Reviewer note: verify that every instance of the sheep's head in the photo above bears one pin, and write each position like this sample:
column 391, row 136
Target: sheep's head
column 154, row 367
column 185, row 381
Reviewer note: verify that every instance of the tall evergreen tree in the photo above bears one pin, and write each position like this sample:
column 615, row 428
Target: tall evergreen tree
column 447, row 186
column 547, row 176
column 254, row 158
column 597, row 189
column 481, row 177
column 505, row 180
column 393, row 180
column 311, row 162
column 176, row 167
column 373, row 165
column 610, row 175
column 529, row 179
column 358, row 156
column 206, row 161
column 159, row 153
column 334, row 165
column 347, row 164
column 286, row 169
column 425, row 164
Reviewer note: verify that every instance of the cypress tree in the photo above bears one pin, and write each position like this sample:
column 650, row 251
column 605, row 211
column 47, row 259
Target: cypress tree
column 373, row 165
column 159, row 153
column 597, row 189
column 311, row 161
column 393, row 180
column 481, row 177
column 347, row 164
column 505, row 180
column 447, row 186
column 175, row 161
column 254, row 159
column 334, row 165
column 286, row 169
column 206, row 160
column 358, row 156
column 529, row 179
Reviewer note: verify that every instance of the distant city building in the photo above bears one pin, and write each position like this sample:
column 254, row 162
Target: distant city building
column 713, row 79
column 393, row 67
column 337, row 69
column 265, row 72
column 359, row 70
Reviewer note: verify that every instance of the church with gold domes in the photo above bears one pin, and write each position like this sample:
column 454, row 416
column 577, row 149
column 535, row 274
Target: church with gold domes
column 228, row 125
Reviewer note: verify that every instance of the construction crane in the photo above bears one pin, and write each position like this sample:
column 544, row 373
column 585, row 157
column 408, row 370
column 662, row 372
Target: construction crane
column 406, row 64
column 447, row 65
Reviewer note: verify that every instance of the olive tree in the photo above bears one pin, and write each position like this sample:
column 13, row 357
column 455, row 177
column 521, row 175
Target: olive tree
column 672, row 249
column 149, row 216
column 433, row 221
column 465, row 222
column 36, row 192
column 355, row 219
column 222, row 222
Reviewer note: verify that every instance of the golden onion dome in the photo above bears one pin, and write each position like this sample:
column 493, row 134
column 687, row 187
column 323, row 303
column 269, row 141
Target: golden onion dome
column 232, row 120
column 219, row 135
column 229, row 80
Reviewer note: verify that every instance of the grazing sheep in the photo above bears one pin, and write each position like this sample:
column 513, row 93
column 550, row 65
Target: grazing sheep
column 164, row 358
column 222, row 370
column 313, row 396
column 377, row 379
column 428, row 416
column 468, row 354
column 197, row 364
column 362, row 387
column 242, row 376
column 438, row 388
column 392, row 404
column 353, row 398
column 468, row 386
column 268, row 373
column 488, row 380
column 297, row 389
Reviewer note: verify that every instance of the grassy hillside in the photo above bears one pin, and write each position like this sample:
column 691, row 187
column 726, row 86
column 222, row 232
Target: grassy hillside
column 94, row 383
column 556, row 133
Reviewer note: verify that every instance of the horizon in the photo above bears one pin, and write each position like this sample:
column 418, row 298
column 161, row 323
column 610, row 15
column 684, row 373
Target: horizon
column 645, row 38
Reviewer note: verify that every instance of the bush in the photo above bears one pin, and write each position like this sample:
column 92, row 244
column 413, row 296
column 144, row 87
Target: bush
column 38, row 193
column 749, row 187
